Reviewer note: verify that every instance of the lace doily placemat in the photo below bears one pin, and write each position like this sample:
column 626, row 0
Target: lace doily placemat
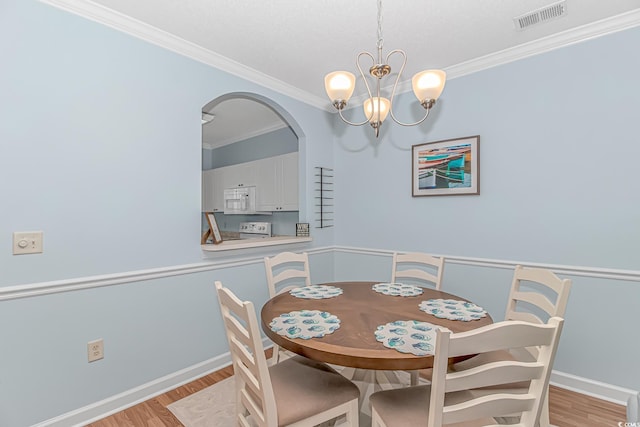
column 397, row 289
column 408, row 336
column 316, row 292
column 305, row 324
column 453, row 309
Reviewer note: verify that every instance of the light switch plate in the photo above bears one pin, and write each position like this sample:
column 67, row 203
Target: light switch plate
column 27, row 242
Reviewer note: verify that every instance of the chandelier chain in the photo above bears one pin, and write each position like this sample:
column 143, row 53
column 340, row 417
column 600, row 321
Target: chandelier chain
column 380, row 40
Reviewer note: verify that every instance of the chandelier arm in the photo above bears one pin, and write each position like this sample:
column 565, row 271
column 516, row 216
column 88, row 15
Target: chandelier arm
column 366, row 82
column 412, row 124
column 395, row 85
column 350, row 123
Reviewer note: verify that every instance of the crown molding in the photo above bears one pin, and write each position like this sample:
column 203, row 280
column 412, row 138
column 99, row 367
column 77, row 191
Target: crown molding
column 126, row 24
column 556, row 41
column 153, row 35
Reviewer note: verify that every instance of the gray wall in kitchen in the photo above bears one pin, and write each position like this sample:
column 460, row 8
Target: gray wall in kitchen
column 281, row 141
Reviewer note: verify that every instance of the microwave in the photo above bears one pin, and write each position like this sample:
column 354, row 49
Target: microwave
column 241, row 201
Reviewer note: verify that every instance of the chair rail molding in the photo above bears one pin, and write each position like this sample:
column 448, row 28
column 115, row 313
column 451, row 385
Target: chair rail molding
column 572, row 270
column 75, row 284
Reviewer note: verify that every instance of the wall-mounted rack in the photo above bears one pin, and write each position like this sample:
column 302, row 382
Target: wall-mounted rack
column 324, row 197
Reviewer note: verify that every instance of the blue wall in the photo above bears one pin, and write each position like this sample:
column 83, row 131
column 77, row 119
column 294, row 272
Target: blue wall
column 558, row 164
column 100, row 147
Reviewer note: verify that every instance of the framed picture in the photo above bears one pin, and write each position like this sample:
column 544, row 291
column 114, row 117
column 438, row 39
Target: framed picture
column 302, row 229
column 213, row 228
column 446, row 168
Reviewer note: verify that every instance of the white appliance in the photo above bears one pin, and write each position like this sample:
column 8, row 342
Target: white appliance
column 241, row 201
column 253, row 230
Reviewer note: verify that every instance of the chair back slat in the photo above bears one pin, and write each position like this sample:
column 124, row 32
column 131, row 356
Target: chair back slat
column 290, row 274
column 496, row 337
column 544, row 279
column 239, row 331
column 452, row 397
column 488, row 406
column 255, row 409
column 493, row 374
column 525, row 317
column 249, row 378
column 537, row 299
column 285, row 267
column 419, row 267
column 242, row 421
column 541, row 275
column 416, row 274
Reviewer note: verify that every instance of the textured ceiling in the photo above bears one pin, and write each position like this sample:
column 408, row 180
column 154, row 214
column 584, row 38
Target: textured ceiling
column 289, row 45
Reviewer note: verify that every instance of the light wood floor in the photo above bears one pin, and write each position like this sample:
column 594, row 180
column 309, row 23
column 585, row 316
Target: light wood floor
column 567, row 409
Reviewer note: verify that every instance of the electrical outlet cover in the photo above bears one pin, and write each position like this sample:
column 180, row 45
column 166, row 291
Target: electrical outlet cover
column 95, row 350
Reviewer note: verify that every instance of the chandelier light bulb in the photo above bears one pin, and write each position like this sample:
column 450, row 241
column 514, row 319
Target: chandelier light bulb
column 371, row 109
column 340, row 85
column 428, row 84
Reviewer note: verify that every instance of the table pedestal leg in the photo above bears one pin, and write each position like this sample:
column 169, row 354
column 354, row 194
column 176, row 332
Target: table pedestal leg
column 370, row 381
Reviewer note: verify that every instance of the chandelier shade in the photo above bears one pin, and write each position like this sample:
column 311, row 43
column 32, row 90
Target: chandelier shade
column 376, row 109
column 428, row 85
column 339, row 85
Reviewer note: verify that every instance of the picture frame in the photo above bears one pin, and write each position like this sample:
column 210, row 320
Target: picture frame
column 446, row 168
column 302, row 229
column 213, row 228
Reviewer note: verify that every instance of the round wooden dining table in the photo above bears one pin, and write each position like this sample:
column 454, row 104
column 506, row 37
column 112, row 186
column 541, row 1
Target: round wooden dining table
column 361, row 310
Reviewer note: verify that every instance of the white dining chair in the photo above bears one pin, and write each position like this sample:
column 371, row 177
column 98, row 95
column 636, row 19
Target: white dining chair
column 417, row 268
column 529, row 301
column 297, row 392
column 286, row 271
column 451, row 397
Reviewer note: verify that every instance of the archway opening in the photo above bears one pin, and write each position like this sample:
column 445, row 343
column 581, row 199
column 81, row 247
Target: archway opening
column 250, row 142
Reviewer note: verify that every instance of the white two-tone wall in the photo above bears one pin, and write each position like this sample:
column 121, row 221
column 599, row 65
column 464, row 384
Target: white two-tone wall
column 100, row 148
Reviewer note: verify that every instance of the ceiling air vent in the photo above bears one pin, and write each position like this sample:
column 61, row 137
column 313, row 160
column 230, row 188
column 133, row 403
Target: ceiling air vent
column 555, row 10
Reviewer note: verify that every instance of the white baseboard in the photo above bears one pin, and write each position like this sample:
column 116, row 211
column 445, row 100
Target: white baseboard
column 611, row 393
column 101, row 409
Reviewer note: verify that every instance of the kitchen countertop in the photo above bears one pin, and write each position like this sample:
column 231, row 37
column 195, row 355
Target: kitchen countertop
column 227, row 245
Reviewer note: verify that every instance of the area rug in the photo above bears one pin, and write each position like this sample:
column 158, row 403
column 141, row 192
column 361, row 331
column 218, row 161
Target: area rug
column 213, row 406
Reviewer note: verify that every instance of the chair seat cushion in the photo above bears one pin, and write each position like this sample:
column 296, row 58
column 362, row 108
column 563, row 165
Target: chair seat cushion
column 303, row 387
column 410, row 407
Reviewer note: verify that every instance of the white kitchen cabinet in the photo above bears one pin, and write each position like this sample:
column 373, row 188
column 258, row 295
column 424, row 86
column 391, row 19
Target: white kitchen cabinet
column 213, row 190
column 289, row 195
column 240, row 175
column 277, row 188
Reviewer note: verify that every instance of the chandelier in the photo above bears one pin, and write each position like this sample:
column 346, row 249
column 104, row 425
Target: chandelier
column 427, row 86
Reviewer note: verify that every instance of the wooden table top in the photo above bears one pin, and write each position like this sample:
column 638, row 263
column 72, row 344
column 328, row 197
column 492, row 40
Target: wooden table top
column 361, row 310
